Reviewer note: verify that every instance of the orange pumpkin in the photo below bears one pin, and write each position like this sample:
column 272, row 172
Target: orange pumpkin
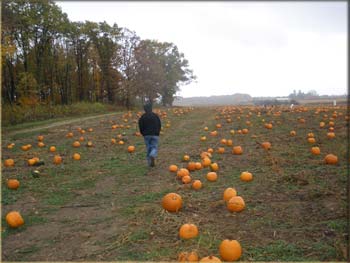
column 188, row 257
column 229, row 193
column 131, row 149
column 188, row 231
column 203, row 138
column 57, row 159
column 9, row 163
column 235, row 204
column 293, row 133
column 14, row 219
column 268, row 126
column 266, row 145
column 191, row 166
column 246, row 176
column 310, row 135
column 69, row 135
column 197, row 184
column 212, row 176
column 186, row 179
column 315, row 150
column 210, row 150
column 76, row 156
column 12, row 184
column 113, row 141
column 311, row 140
column 331, row 159
column 25, row 148
column 245, row 131
column 223, row 141
column 205, row 154
column 32, row 161
column 213, row 133
column 198, row 165
column 206, row 162
column 173, row 168
column 40, row 138
column 214, row 167
column 172, row 202
column 89, row 144
column 237, row 150
column 210, row 259
column 81, row 139
column 10, row 146
column 182, row 172
column 221, row 150
column 229, row 142
column 186, row 158
column 330, row 135
column 76, row 144
column 52, row 149
column 41, row 144
column 230, row 250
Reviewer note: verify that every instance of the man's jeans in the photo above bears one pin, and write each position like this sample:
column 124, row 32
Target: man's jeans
column 151, row 142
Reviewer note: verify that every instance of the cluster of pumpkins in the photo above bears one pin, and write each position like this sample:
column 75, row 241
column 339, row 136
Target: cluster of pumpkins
column 230, row 250
column 330, row 158
column 14, row 218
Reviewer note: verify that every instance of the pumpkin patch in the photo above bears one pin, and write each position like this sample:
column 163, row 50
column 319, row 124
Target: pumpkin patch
column 236, row 186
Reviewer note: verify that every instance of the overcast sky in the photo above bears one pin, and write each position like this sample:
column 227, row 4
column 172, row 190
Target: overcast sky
column 258, row 48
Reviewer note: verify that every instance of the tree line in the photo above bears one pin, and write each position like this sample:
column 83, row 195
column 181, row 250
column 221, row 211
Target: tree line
column 48, row 59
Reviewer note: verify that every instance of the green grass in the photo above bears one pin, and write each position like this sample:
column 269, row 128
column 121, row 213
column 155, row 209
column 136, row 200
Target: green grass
column 58, row 198
column 121, row 191
column 29, row 117
column 10, row 196
column 338, row 225
column 277, row 251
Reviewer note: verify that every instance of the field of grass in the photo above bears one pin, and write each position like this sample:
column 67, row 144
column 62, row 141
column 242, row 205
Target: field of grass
column 107, row 206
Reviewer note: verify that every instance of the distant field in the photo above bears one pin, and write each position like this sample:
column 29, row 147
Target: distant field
column 107, row 205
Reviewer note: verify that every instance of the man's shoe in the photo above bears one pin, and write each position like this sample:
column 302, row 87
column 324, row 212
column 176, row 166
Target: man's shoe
column 152, row 162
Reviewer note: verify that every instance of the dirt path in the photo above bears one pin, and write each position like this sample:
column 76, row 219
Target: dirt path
column 56, row 124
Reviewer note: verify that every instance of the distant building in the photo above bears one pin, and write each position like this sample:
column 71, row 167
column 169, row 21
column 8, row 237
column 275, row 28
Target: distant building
column 283, row 99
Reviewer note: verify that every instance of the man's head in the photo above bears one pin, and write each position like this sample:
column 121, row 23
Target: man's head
column 147, row 107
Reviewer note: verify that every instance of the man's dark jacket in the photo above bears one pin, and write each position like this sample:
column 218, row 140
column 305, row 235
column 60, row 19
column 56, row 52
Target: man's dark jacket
column 149, row 123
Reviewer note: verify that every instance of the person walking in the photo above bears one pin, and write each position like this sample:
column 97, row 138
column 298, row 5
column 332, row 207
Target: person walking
column 150, row 125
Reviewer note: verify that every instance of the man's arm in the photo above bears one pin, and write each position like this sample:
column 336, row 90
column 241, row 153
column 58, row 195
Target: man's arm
column 141, row 125
column 159, row 123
